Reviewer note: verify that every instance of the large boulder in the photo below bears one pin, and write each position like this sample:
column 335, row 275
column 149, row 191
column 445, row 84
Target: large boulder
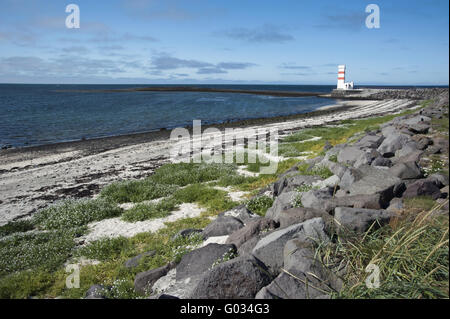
column 369, row 141
column 407, row 170
column 270, row 248
column 439, row 179
column 144, row 281
column 240, row 212
column 286, row 286
column 376, row 181
column 222, row 225
column 422, row 187
column 408, row 149
column 392, row 143
column 372, row 201
column 422, row 142
column 366, row 158
column 97, row 292
column 331, row 181
column 168, row 285
column 299, row 215
column 200, row 260
column 251, row 229
column 315, row 197
column 350, row 176
column 381, row 162
column 300, row 257
column 282, row 202
column 239, row 278
column 360, row 219
column 337, row 169
column 329, row 203
column 349, row 155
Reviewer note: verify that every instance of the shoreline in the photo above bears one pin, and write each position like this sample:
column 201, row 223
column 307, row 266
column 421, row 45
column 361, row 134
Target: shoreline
column 203, row 90
column 100, row 144
column 33, row 178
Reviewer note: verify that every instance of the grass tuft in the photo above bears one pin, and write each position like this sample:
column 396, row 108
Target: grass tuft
column 74, row 213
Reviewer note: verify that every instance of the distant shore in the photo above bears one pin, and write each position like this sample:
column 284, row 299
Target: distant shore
column 204, row 90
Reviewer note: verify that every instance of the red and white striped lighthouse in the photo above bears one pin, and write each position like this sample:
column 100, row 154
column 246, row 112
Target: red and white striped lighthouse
column 341, row 85
column 341, row 77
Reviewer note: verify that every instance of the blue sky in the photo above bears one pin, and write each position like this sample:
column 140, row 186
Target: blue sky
column 211, row 41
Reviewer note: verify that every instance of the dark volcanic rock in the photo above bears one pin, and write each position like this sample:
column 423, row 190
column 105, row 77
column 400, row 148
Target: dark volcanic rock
column 315, row 197
column 144, row 281
column 376, row 181
column 200, row 260
column 270, row 248
column 369, row 141
column 282, row 202
column 407, row 170
column 349, row 155
column 222, row 225
column 422, row 187
column 360, row 219
column 96, row 292
column 299, row 215
column 239, row 278
column 253, row 228
column 381, row 161
column 241, row 212
column 392, row 143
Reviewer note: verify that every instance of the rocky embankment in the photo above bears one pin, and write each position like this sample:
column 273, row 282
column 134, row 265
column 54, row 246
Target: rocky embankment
column 391, row 94
column 248, row 256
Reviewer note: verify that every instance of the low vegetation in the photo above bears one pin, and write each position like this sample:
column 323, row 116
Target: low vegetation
column 259, row 205
column 411, row 253
column 145, row 211
column 75, row 213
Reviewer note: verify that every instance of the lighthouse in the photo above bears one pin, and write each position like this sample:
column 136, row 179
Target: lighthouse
column 341, row 84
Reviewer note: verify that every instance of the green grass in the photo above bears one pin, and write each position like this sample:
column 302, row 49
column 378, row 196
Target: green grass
column 333, row 158
column 105, row 249
column 166, row 180
column 412, row 255
column 259, row 205
column 74, row 213
column 16, row 227
column 46, row 277
column 420, row 203
column 142, row 211
column 36, row 251
column 214, row 200
column 136, row 191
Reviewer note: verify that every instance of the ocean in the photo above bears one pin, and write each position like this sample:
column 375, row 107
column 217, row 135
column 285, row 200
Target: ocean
column 44, row 114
